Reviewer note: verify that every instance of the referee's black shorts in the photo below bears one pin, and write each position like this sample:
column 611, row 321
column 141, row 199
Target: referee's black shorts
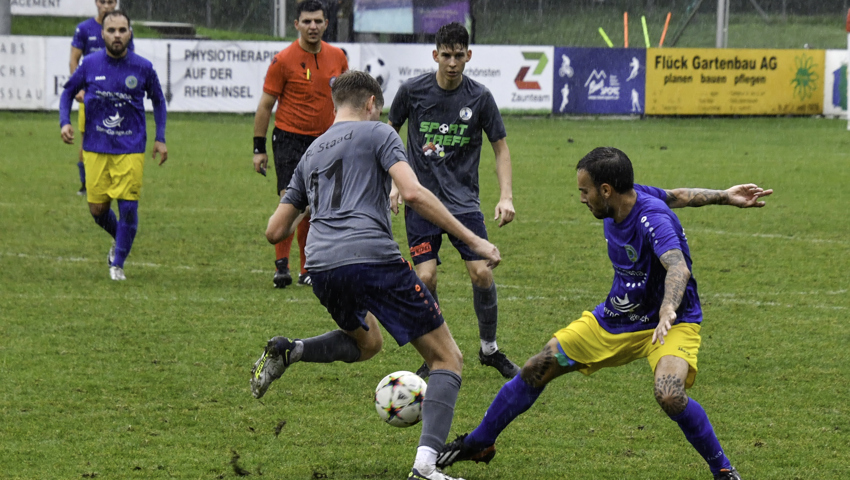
column 287, row 148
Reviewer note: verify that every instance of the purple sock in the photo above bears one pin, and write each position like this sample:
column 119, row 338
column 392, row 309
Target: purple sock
column 127, row 225
column 82, row 172
column 698, row 430
column 513, row 399
column 108, row 222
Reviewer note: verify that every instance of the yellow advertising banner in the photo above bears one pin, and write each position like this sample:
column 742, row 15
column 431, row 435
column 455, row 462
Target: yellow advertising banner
column 701, row 81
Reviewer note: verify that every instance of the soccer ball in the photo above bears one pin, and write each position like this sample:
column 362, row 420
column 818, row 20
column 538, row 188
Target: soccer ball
column 444, row 129
column 379, row 70
column 398, row 398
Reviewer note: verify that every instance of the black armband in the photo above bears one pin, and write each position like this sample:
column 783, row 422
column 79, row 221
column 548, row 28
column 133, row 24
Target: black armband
column 259, row 144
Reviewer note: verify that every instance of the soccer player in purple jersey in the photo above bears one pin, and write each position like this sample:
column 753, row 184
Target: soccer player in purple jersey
column 87, row 39
column 357, row 269
column 652, row 311
column 116, row 81
column 448, row 114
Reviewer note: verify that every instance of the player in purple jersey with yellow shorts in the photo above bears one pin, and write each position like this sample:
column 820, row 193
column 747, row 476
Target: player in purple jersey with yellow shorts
column 88, row 39
column 652, row 311
column 357, row 269
column 116, row 81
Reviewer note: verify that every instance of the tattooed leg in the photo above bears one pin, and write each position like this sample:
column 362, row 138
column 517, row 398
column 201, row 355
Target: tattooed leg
column 544, row 367
column 518, row 395
column 670, row 375
column 670, row 394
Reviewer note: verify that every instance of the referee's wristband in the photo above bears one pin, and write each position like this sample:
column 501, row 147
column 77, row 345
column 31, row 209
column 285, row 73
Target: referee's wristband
column 259, row 144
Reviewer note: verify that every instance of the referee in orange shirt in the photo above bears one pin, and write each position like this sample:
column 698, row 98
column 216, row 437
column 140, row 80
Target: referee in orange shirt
column 299, row 80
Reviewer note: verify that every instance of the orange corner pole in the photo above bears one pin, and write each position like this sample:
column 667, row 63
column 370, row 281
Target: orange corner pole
column 626, row 29
column 664, row 33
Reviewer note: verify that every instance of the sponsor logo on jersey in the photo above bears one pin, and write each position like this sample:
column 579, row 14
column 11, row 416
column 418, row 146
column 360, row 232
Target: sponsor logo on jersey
column 447, row 135
column 631, row 252
column 465, row 114
column 113, row 121
column 100, row 77
column 624, row 304
column 131, row 82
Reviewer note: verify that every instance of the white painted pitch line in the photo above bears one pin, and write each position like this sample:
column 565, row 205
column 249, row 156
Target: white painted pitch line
column 745, row 298
column 770, row 236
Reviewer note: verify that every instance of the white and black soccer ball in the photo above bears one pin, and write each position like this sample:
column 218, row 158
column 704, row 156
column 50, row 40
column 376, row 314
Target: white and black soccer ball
column 379, row 70
column 399, row 397
column 444, row 129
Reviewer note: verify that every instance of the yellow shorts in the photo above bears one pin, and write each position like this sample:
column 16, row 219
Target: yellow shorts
column 81, row 118
column 111, row 176
column 587, row 343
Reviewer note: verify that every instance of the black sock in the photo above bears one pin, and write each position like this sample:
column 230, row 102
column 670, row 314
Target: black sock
column 484, row 300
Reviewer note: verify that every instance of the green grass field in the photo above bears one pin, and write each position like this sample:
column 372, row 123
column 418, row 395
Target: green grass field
column 148, row 378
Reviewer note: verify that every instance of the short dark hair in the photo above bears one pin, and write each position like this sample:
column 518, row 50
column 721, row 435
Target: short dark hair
column 353, row 88
column 451, row 35
column 114, row 13
column 611, row 166
column 310, row 6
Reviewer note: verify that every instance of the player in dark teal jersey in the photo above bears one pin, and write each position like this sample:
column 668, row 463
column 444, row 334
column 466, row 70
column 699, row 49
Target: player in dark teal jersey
column 116, row 81
column 357, row 269
column 448, row 115
column 88, row 39
column 652, row 310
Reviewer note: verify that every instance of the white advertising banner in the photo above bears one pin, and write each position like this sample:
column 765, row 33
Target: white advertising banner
column 223, row 76
column 520, row 78
column 55, row 8
column 196, row 75
column 21, row 73
column 835, row 83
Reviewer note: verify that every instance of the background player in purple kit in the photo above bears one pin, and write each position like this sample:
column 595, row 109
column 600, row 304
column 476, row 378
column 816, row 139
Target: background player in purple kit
column 116, row 81
column 652, row 311
column 447, row 114
column 88, row 39
column 357, row 269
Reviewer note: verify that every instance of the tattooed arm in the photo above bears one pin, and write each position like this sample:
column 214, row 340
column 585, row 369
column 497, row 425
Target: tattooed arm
column 674, row 289
column 741, row 196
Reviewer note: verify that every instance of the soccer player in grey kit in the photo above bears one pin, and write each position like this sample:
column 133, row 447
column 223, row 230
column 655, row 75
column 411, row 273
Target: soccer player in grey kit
column 357, row 269
column 447, row 113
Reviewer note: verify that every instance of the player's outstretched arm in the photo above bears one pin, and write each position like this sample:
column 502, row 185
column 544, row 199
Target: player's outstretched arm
column 160, row 117
column 742, row 196
column 675, row 284
column 284, row 222
column 67, row 134
column 72, row 86
column 395, row 197
column 505, row 212
column 162, row 150
column 261, row 128
column 429, row 206
column 76, row 55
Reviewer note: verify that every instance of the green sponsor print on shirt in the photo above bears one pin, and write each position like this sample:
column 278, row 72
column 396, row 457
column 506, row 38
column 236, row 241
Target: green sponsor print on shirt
column 444, row 134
